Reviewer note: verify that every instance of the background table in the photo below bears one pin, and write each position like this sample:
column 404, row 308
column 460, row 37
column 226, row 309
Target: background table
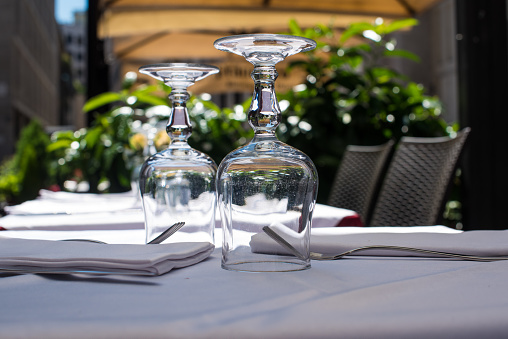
column 72, row 211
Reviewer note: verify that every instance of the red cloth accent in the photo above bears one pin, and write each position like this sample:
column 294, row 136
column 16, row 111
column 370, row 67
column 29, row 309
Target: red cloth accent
column 54, row 188
column 2, row 229
column 351, row 220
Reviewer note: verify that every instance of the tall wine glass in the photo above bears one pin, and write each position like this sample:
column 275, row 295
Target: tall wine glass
column 178, row 183
column 266, row 182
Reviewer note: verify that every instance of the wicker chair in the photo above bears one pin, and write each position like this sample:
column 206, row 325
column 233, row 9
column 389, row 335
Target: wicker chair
column 417, row 181
column 357, row 178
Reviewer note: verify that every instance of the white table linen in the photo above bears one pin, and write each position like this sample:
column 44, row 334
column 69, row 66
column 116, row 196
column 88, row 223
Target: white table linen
column 359, row 297
column 39, row 207
column 96, row 213
column 65, row 196
column 350, row 298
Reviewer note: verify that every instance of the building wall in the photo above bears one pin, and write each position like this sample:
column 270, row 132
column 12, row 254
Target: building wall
column 444, row 58
column 6, row 114
column 75, row 41
column 434, row 41
column 29, row 68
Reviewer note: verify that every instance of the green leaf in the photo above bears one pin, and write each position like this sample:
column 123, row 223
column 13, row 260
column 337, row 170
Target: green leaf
column 146, row 89
column 211, row 106
column 60, row 144
column 246, row 105
column 325, row 30
column 378, row 72
column 354, row 30
column 63, row 135
column 93, row 136
column 295, row 28
column 101, row 100
column 151, row 99
column 309, row 33
column 355, row 61
column 399, row 24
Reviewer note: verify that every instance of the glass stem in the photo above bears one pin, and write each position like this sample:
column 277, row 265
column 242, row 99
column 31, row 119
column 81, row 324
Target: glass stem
column 264, row 112
column 179, row 127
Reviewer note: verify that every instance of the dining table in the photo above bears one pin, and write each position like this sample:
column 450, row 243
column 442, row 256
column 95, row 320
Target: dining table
column 361, row 296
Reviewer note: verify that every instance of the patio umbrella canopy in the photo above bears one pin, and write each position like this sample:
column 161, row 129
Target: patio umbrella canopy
column 154, row 31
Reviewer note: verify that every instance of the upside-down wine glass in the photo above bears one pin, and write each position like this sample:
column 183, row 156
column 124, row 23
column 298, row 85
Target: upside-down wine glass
column 266, row 182
column 178, row 183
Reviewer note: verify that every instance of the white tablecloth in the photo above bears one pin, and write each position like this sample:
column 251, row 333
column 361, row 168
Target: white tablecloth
column 374, row 297
column 118, row 217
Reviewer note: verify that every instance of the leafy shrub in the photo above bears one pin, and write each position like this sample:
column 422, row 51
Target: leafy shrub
column 23, row 175
column 349, row 97
column 95, row 155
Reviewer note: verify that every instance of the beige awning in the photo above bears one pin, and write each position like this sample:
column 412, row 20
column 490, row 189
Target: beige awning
column 153, row 31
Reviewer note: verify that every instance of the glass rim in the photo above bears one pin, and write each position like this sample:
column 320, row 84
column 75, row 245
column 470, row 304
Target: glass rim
column 179, row 66
column 261, row 36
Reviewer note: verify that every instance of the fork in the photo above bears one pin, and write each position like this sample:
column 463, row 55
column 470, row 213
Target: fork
column 167, row 233
column 163, row 236
column 319, row 256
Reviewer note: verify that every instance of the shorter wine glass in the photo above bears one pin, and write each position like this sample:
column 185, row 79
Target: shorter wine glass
column 178, row 184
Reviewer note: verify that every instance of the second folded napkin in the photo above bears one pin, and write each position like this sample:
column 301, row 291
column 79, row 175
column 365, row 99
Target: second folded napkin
column 335, row 240
column 82, row 256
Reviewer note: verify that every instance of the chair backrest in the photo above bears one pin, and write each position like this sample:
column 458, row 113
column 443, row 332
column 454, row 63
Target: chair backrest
column 417, row 181
column 357, row 178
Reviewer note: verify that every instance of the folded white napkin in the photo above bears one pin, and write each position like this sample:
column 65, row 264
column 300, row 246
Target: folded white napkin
column 334, row 240
column 82, row 256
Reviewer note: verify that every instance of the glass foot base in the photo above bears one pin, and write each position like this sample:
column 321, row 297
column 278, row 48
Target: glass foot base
column 266, row 266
